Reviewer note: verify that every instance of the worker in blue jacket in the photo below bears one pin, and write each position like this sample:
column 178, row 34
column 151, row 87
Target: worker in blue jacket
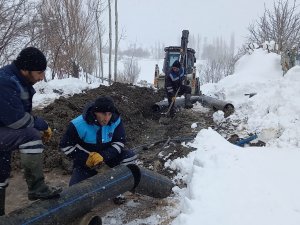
column 94, row 137
column 21, row 130
column 173, row 83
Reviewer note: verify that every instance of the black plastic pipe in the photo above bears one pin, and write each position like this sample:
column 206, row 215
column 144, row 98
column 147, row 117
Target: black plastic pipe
column 91, row 218
column 153, row 184
column 207, row 101
column 215, row 104
column 79, row 199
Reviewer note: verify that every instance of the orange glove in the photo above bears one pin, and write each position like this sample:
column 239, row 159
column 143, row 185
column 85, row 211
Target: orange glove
column 94, row 159
column 47, row 134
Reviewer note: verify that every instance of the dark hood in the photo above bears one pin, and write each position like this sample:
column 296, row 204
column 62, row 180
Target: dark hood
column 89, row 116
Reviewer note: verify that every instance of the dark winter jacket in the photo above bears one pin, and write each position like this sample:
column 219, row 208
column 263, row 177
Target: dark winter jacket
column 16, row 101
column 173, row 81
column 85, row 135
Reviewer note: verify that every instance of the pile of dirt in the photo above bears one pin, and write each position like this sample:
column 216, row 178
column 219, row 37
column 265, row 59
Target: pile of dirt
column 141, row 123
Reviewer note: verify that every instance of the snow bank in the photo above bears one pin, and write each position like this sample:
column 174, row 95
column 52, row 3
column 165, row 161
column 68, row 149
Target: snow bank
column 273, row 112
column 230, row 185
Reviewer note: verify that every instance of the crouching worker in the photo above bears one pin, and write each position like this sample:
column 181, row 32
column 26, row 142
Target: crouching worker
column 173, row 83
column 94, row 137
column 19, row 129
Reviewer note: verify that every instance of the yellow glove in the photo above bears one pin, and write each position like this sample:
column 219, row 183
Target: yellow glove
column 47, row 134
column 94, row 159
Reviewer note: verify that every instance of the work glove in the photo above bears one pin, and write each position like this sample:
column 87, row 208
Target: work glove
column 46, row 135
column 94, row 159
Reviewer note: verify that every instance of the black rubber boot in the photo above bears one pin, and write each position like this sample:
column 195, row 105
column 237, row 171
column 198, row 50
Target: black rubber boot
column 2, row 201
column 187, row 103
column 33, row 172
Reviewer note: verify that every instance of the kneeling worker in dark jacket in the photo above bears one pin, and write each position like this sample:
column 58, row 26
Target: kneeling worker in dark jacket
column 94, row 137
column 19, row 129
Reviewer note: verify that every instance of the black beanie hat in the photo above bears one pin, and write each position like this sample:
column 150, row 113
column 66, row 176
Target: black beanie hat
column 104, row 104
column 31, row 59
column 176, row 64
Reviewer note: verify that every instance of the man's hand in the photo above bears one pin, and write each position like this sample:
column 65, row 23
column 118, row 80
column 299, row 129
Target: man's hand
column 47, row 134
column 173, row 99
column 94, row 159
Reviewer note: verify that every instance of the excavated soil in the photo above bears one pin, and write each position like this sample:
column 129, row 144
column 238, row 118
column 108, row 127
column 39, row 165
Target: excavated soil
column 154, row 142
column 141, row 124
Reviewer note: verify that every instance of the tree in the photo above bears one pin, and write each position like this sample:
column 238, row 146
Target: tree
column 131, row 71
column 280, row 24
column 158, row 50
column 110, row 41
column 98, row 7
column 136, row 52
column 67, row 35
column 116, row 40
column 15, row 20
column 219, row 61
column 199, row 39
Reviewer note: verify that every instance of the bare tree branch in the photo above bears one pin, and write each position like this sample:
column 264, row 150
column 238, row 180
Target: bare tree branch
column 280, row 24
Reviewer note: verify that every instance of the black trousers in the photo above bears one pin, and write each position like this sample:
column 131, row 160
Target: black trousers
column 184, row 89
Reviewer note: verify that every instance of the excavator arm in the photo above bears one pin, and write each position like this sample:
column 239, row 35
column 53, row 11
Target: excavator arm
column 183, row 50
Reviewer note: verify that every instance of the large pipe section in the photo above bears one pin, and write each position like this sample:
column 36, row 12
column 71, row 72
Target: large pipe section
column 215, row 104
column 152, row 184
column 79, row 199
column 207, row 101
column 91, row 218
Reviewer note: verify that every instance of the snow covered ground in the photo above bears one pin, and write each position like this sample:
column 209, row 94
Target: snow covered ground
column 226, row 184
column 230, row 185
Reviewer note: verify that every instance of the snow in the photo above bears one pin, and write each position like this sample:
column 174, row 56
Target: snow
column 218, row 117
column 47, row 92
column 227, row 184
column 274, row 111
column 230, row 185
column 148, row 68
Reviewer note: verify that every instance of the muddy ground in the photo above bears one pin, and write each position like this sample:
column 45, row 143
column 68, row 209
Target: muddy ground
column 142, row 129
